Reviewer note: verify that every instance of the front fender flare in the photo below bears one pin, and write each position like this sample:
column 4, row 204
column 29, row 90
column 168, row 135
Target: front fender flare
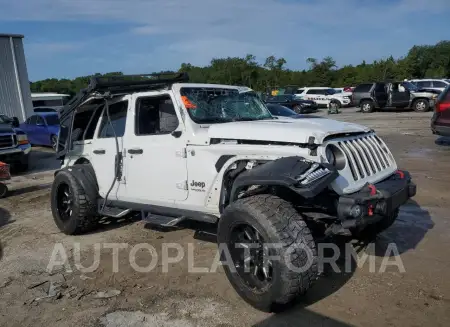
column 284, row 172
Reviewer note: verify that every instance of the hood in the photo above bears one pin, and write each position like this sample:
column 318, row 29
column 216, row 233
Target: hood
column 284, row 130
column 6, row 128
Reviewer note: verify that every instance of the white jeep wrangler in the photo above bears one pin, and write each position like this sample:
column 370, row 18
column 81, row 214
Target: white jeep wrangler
column 175, row 150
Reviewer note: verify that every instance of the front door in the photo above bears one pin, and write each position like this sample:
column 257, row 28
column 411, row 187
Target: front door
column 107, row 142
column 40, row 132
column 155, row 148
column 30, row 128
column 400, row 96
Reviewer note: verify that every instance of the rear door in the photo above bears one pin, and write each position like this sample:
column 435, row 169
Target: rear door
column 380, row 94
column 107, row 147
column 317, row 95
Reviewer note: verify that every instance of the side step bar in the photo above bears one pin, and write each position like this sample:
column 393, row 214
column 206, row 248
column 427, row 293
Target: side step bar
column 160, row 220
column 113, row 211
column 164, row 216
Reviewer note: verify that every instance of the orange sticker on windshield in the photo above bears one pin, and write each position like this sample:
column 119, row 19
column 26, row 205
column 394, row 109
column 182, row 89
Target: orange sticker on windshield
column 187, row 103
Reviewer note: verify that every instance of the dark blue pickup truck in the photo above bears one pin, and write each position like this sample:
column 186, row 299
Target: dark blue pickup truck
column 14, row 145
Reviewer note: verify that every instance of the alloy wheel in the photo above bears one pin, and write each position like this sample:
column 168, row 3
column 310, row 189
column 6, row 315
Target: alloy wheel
column 249, row 254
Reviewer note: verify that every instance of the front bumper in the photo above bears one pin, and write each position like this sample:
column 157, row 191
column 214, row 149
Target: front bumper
column 374, row 202
column 309, row 108
column 15, row 155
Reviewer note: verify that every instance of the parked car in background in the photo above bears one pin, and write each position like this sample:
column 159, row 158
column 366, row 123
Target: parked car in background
column 299, row 106
column 14, row 144
column 381, row 95
column 344, row 90
column 282, row 112
column 42, row 128
column 440, row 122
column 432, row 84
column 323, row 96
column 45, row 109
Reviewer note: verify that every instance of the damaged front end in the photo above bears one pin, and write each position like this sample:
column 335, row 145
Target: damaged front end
column 303, row 177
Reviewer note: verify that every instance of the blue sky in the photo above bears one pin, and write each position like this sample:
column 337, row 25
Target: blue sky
column 69, row 38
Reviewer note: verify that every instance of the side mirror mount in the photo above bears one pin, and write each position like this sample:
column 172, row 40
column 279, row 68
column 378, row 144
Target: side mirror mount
column 15, row 122
column 176, row 134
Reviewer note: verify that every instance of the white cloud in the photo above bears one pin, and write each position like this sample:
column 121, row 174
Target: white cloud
column 49, row 48
column 147, row 30
column 197, row 30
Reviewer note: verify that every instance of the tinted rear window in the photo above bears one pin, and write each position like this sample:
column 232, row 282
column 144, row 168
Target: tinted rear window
column 424, row 83
column 363, row 88
column 439, row 84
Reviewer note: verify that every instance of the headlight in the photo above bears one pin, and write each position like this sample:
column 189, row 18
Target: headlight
column 22, row 139
column 335, row 156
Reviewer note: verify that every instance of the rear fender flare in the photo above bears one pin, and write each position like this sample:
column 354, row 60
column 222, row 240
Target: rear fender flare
column 85, row 175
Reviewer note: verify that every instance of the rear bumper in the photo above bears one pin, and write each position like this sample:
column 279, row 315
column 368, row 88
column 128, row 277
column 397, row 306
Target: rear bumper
column 442, row 130
column 373, row 202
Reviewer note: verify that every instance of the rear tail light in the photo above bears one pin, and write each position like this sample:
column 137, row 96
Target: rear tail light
column 442, row 106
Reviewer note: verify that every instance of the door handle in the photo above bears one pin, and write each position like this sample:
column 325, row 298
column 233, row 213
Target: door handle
column 135, row 151
column 99, row 151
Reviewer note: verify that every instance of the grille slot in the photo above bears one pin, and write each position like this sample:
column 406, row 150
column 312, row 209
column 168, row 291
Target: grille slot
column 6, row 141
column 366, row 156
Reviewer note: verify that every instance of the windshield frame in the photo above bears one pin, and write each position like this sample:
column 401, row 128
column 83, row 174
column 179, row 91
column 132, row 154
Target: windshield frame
column 265, row 113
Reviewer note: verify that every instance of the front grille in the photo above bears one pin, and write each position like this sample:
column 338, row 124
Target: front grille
column 6, row 141
column 366, row 156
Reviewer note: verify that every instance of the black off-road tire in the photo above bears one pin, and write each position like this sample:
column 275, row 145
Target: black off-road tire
column 367, row 106
column 421, row 105
column 278, row 222
column 3, row 190
column 83, row 217
column 371, row 231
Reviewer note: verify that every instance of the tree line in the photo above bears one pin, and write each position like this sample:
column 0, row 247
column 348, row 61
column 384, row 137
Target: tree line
column 421, row 61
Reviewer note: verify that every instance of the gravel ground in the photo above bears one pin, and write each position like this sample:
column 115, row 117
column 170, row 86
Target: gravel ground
column 420, row 296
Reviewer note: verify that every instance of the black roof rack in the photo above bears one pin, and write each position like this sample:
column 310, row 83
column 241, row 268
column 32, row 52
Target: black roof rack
column 124, row 83
column 119, row 84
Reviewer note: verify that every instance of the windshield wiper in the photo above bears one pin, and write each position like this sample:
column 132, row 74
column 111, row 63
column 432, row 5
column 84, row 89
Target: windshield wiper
column 214, row 120
column 251, row 119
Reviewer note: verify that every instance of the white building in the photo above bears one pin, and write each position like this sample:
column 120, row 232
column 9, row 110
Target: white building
column 15, row 95
column 49, row 100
